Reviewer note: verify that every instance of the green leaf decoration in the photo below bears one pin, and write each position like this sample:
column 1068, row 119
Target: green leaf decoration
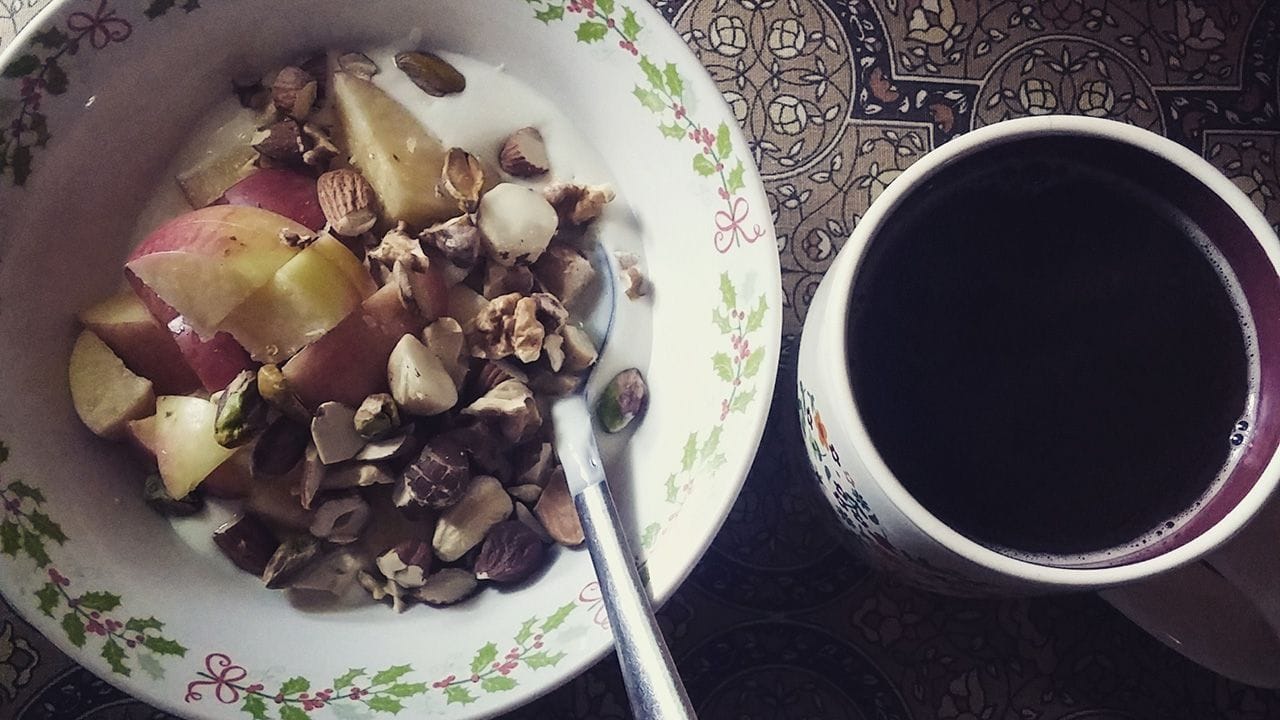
column 742, row 401
column 712, row 443
column 722, row 321
column 458, row 694
column 735, row 181
column 675, row 84
column 558, row 617
column 292, row 712
column 673, row 489
column 728, row 296
column 55, row 78
column 590, row 31
column 723, row 366
column 630, row 26
column 649, row 99
column 73, row 626
column 114, row 655
column 605, row 6
column 543, row 659
column 255, row 706
column 148, row 663
column 50, row 597
column 526, row 630
column 346, row 679
column 651, row 72
column 724, row 141
column 497, row 683
column 553, row 12
column 24, row 490
column 752, row 365
column 20, row 164
column 755, row 319
column 403, row 690
column 164, row 646
column 484, row 657
column 703, row 165
column 10, row 538
column 33, row 545
column 21, row 65
column 380, row 703
column 690, row 455
column 100, row 601
column 52, row 38
column 391, row 674
column 673, row 131
column 141, row 625
column 295, row 685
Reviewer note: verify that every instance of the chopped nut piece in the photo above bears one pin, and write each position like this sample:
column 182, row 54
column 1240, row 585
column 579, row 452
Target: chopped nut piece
column 458, row 239
column 462, row 178
column 431, row 73
column 158, row 498
column 321, row 149
column 279, row 448
column 419, row 382
column 347, row 202
column 356, row 474
column 531, row 521
column 275, row 390
column 516, row 224
column 633, row 278
column 493, row 373
column 447, row 587
column 333, row 430
column 502, row 280
column 578, row 204
column 466, row 306
column 296, row 240
column 549, row 384
column 438, row 478
column 400, row 445
column 528, row 334
column 527, row 494
column 564, row 272
column 487, row 449
column 241, row 411
column 418, row 288
column 290, row 560
column 465, row 524
column 579, row 352
column 357, row 64
column 407, row 564
column 313, row 477
column 397, row 245
column 377, row 417
column 493, row 328
column 534, row 464
column 445, row 338
column 341, row 519
column 556, row 511
column 511, row 552
column 512, row 404
column 524, row 153
column 551, row 312
column 335, row 573
column 623, row 400
column 294, row 91
column 281, row 141
column 247, row 543
column 553, row 348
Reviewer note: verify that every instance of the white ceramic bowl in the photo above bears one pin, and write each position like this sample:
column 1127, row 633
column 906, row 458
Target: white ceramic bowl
column 150, row 605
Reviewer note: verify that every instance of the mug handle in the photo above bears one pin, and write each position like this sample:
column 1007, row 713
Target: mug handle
column 1222, row 612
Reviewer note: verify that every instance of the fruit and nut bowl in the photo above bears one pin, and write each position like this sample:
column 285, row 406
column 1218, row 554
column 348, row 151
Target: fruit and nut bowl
column 289, row 317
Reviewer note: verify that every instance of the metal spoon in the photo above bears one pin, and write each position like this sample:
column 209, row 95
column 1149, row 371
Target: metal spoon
column 653, row 685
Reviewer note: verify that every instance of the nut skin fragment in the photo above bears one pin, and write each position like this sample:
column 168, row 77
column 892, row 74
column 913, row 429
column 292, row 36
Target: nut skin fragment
column 282, row 141
column 447, row 587
column 464, row 525
column 577, row 205
column 293, row 92
column 246, row 542
column 556, row 511
column 512, row 405
column 438, row 478
column 347, row 201
column 341, row 519
column 290, row 560
column 334, row 433
column 511, row 553
column 377, row 417
column 462, row 178
column 524, row 154
column 418, row 379
column 241, row 411
column 431, row 73
column 623, row 400
column 407, row 564
column 158, row 499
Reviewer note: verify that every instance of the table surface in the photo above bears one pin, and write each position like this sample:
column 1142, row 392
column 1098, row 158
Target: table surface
column 838, row 97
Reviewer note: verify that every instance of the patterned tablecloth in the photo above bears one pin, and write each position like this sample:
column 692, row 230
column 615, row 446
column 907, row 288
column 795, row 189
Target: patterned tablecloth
column 838, row 97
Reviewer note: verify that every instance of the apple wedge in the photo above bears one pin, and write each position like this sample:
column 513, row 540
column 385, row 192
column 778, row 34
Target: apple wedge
column 206, row 262
column 142, row 436
column 185, row 449
column 349, row 363
column 307, row 297
column 284, row 192
column 106, row 394
column 399, row 157
column 146, row 347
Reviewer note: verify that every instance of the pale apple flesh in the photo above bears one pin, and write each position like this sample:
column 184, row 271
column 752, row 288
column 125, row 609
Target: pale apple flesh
column 105, row 393
column 186, row 452
column 125, row 324
column 284, row 192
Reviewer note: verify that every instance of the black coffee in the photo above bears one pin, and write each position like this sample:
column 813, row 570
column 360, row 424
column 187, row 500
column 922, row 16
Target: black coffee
column 1044, row 356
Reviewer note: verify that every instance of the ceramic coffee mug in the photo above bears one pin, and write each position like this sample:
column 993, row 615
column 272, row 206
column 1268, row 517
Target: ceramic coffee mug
column 1209, row 588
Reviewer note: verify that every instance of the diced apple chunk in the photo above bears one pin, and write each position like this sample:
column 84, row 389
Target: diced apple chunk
column 399, row 157
column 106, row 394
column 146, row 347
column 185, row 449
column 206, row 181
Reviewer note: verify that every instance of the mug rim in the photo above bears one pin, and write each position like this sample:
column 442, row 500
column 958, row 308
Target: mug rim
column 845, row 274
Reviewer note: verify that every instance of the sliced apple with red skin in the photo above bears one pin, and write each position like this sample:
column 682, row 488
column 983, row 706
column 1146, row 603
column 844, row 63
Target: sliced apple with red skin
column 141, row 435
column 231, row 479
column 349, row 363
column 206, row 262
column 284, row 192
column 105, row 393
column 307, row 297
column 147, row 348
column 214, row 360
column 183, row 440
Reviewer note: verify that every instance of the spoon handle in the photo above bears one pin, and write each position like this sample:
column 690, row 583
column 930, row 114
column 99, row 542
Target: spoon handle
column 653, row 684
column 647, row 668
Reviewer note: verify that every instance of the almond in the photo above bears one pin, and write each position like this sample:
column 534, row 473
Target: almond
column 524, row 154
column 347, row 202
